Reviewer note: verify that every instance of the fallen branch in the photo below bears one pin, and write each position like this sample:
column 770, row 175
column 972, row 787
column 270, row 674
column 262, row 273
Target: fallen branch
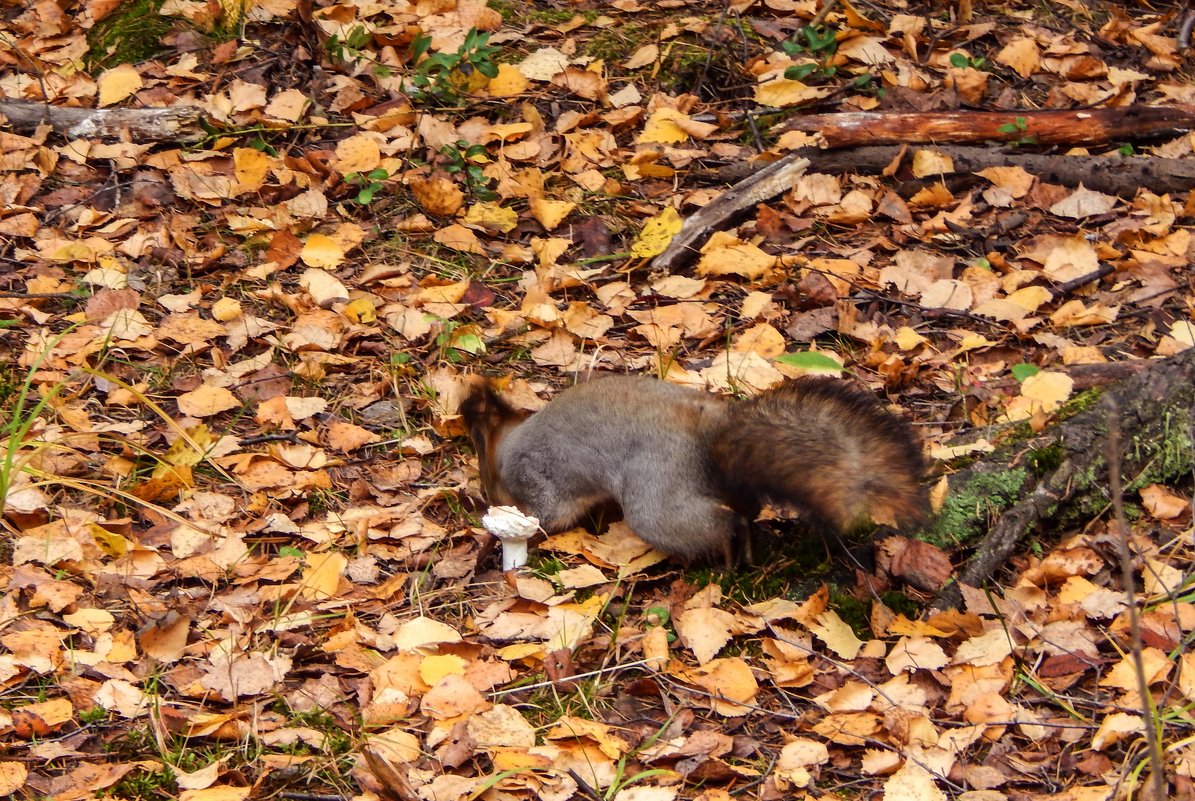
column 176, row 124
column 1115, row 175
column 764, row 184
column 1092, row 126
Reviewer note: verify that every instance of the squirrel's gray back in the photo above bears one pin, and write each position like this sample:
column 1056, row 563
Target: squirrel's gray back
column 566, row 448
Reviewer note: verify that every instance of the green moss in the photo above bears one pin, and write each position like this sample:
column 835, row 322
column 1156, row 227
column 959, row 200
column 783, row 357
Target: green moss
column 1045, row 459
column 131, row 34
column 1164, row 454
column 901, row 604
column 970, row 507
column 1079, row 403
column 548, row 16
column 854, row 613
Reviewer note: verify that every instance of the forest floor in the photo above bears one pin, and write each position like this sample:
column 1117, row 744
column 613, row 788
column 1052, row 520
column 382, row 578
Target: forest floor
column 241, row 511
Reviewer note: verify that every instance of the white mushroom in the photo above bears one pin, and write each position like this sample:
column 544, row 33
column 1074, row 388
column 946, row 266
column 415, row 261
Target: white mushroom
column 514, row 529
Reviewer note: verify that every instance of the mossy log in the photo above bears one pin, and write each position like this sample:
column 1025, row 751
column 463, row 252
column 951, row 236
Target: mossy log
column 1061, row 475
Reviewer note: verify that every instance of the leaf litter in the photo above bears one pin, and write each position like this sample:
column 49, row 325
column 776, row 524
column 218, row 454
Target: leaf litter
column 243, row 543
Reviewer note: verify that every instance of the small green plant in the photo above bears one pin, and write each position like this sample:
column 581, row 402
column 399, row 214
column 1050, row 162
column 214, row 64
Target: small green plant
column 1127, row 149
column 962, row 61
column 442, row 78
column 816, row 42
column 97, row 714
column 461, row 158
column 456, row 339
column 369, row 184
column 1024, row 370
column 1018, row 126
column 351, row 48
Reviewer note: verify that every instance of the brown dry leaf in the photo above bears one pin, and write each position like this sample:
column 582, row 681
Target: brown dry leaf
column 726, row 254
column 1084, row 203
column 705, row 631
column 12, row 777
column 501, row 727
column 420, row 632
column 166, row 640
column 837, row 635
column 244, row 675
column 1162, row 503
column 1021, row 54
column 931, row 162
column 543, row 64
column 730, row 682
column 118, row 83
column 915, row 653
column 572, row 727
column 797, row 757
column 1123, row 675
column 989, row 648
column 1115, row 727
column 438, row 195
column 322, row 576
column 458, row 237
column 357, row 154
column 849, row 728
column 224, row 792
column 206, row 401
column 451, row 697
column 252, row 167
column 912, row 783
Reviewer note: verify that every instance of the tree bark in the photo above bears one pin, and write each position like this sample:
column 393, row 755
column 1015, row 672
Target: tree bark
column 177, row 123
column 1092, row 126
column 1121, row 176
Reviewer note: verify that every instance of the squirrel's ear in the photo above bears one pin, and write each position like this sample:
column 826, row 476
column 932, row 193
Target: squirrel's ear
column 482, row 403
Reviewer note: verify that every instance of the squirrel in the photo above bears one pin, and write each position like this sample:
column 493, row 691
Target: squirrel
column 691, row 470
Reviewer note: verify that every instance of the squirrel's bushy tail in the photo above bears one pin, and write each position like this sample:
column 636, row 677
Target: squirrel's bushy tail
column 829, row 449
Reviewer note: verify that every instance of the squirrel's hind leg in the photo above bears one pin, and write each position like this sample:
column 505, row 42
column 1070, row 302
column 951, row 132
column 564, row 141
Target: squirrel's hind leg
column 692, row 529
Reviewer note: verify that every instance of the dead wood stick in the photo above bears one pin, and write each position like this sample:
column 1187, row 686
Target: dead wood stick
column 1115, row 175
column 176, row 124
column 1093, row 126
column 765, row 184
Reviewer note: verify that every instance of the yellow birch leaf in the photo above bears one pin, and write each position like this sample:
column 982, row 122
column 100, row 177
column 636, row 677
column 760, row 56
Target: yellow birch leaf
column 321, row 251
column 657, row 233
column 358, row 153
column 491, row 217
column 458, row 237
column 663, row 127
column 252, row 166
column 206, row 400
column 321, row 578
column 361, row 310
column 118, row 83
column 550, row 213
column 437, row 195
column 508, row 82
column 784, row 92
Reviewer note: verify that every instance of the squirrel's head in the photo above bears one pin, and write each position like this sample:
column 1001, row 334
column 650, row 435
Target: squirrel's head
column 489, row 419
